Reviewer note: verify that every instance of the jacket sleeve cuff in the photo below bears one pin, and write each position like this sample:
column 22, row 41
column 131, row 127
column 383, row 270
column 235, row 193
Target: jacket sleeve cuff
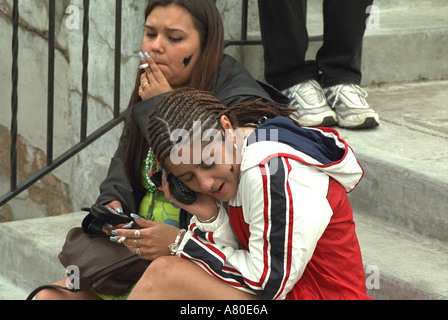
column 204, row 227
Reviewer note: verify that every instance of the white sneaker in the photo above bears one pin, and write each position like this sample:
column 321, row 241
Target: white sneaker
column 311, row 106
column 349, row 103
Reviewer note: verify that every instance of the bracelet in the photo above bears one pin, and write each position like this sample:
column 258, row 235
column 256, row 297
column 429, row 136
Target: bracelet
column 209, row 220
column 218, row 205
column 175, row 245
column 181, row 232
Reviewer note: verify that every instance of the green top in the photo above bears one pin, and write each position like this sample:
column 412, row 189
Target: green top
column 161, row 210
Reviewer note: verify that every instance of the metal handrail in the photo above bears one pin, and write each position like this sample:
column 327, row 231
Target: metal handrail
column 15, row 187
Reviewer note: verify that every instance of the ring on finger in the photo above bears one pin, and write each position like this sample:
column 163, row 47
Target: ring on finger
column 135, row 242
column 137, row 234
column 144, row 66
column 138, row 251
column 144, row 84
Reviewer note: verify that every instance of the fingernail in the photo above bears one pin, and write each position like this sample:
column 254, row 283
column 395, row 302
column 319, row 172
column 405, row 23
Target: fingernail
column 114, row 232
column 141, row 55
column 147, row 56
column 135, row 216
column 113, row 239
column 109, row 226
column 129, row 225
column 164, row 181
column 120, row 210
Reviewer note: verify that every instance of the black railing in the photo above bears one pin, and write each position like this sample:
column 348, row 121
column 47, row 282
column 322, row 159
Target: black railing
column 15, row 187
column 14, row 94
column 244, row 41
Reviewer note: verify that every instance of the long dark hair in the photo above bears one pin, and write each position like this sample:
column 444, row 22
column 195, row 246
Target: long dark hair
column 208, row 22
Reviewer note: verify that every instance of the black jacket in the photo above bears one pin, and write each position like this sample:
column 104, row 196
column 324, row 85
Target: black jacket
column 232, row 84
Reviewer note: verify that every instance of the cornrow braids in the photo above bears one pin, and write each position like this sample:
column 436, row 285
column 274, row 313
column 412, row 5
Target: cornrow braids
column 182, row 108
column 251, row 113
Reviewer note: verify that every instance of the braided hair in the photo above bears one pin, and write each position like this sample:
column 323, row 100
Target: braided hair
column 183, row 107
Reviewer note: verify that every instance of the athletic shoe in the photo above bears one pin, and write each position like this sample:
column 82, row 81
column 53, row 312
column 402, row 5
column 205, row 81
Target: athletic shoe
column 311, row 106
column 349, row 103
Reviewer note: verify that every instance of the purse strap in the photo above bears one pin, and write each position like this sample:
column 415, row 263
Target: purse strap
column 49, row 286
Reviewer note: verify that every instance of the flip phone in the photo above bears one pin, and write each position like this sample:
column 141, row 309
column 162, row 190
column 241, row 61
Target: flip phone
column 108, row 215
column 179, row 190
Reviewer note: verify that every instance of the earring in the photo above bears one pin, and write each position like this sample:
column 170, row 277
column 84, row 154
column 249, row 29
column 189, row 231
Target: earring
column 229, row 135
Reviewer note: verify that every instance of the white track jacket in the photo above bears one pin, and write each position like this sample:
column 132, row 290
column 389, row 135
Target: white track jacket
column 289, row 232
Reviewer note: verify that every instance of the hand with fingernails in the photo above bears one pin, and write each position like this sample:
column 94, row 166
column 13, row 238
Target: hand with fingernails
column 152, row 80
column 149, row 242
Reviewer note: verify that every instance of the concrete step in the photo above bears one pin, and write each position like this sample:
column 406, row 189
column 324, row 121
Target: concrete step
column 410, row 43
column 400, row 206
column 396, row 261
column 28, row 251
column 399, row 264
column 11, row 291
column 315, row 6
column 405, row 158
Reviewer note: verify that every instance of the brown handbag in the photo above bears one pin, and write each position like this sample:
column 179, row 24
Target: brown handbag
column 103, row 266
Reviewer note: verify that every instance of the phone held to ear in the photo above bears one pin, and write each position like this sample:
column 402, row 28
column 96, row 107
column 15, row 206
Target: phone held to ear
column 180, row 191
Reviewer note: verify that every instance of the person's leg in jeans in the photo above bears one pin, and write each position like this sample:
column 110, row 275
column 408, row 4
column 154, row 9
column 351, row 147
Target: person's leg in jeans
column 285, row 42
column 339, row 61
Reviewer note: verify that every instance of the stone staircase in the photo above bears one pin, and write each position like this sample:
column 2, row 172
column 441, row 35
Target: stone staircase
column 400, row 206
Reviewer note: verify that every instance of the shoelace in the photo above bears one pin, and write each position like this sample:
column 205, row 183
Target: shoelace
column 352, row 91
column 310, row 91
